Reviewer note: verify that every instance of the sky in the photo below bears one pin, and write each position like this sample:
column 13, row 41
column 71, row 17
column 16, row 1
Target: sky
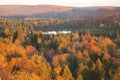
column 74, row 3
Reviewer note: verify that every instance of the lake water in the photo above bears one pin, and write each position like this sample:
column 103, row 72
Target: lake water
column 57, row 32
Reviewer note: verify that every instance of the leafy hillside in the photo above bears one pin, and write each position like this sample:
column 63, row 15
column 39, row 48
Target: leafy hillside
column 53, row 11
column 75, row 56
column 107, row 20
column 92, row 52
column 23, row 10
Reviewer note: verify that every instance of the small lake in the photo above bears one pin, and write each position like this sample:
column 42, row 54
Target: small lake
column 57, row 32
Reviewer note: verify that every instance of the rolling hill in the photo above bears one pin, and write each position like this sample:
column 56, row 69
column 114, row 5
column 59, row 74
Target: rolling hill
column 53, row 11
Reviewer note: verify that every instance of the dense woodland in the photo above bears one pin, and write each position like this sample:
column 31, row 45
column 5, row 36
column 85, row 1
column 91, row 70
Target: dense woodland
column 90, row 52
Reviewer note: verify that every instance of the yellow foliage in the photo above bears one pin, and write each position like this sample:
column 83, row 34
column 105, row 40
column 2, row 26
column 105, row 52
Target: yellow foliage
column 12, row 48
column 59, row 78
column 26, row 76
column 106, row 41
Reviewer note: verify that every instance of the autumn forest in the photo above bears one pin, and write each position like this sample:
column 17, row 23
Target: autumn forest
column 91, row 51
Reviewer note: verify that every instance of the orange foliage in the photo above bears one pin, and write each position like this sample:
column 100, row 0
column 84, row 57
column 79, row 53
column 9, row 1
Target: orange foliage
column 87, row 37
column 12, row 48
column 59, row 58
column 57, row 70
column 29, row 49
column 17, row 42
column 64, row 57
column 91, row 46
column 16, row 61
column 2, row 46
column 3, row 63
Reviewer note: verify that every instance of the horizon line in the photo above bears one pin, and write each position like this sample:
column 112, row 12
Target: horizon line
column 56, row 5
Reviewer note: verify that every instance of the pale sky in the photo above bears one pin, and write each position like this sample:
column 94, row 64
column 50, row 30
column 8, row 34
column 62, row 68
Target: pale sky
column 75, row 3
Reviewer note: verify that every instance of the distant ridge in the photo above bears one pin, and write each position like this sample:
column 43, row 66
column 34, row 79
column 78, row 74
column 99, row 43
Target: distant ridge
column 11, row 10
column 54, row 11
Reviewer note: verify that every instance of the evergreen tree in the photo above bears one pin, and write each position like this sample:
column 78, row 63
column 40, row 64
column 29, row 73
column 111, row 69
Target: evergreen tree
column 66, row 74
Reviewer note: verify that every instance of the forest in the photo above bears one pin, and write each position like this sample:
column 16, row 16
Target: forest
column 90, row 52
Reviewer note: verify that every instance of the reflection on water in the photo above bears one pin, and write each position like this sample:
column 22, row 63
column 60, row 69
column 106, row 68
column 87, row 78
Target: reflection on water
column 57, row 32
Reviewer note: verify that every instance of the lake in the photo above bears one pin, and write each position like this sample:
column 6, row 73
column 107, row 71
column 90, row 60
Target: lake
column 57, row 32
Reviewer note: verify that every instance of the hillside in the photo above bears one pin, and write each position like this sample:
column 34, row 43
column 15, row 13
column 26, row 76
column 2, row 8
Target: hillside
column 107, row 20
column 90, row 51
column 53, row 11
column 24, row 10
column 26, row 55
